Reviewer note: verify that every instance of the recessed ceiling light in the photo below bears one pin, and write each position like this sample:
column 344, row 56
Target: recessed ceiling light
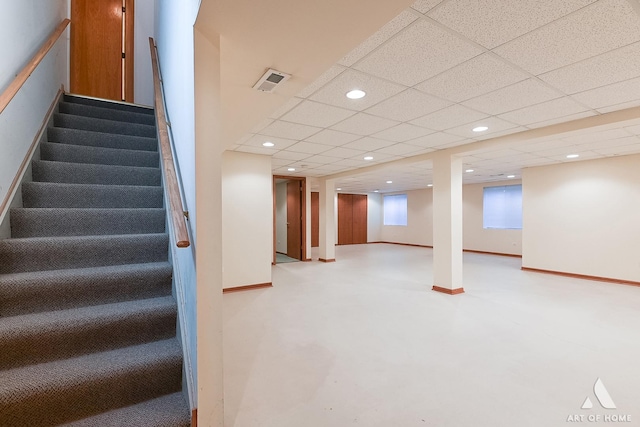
column 429, row 185
column 511, row 176
column 469, row 170
column 291, row 169
column 376, row 191
column 356, row 94
column 573, row 156
column 368, row 157
column 480, row 128
column 389, row 182
column 338, row 188
column 268, row 144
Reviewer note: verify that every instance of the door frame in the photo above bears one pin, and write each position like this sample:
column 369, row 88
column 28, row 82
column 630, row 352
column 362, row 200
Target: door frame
column 303, row 213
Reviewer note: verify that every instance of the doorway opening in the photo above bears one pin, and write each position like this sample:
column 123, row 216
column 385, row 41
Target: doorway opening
column 289, row 219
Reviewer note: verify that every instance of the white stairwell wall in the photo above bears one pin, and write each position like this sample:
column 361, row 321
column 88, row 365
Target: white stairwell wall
column 24, row 26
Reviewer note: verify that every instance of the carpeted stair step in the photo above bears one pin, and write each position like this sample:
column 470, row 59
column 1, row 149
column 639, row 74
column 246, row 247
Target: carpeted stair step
column 101, row 125
column 48, row 222
column 38, row 291
column 60, row 195
column 106, row 113
column 166, row 411
column 53, row 335
column 108, row 104
column 57, row 253
column 71, row 389
column 77, row 173
column 99, row 139
column 55, row 151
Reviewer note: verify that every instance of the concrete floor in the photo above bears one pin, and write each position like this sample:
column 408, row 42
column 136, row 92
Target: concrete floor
column 364, row 341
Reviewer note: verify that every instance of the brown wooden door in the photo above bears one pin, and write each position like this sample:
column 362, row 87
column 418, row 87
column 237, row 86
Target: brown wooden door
column 352, row 219
column 100, row 34
column 345, row 219
column 315, row 219
column 359, row 219
column 294, row 220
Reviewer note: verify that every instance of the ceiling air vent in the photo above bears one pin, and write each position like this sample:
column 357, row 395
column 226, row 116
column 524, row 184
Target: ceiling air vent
column 270, row 80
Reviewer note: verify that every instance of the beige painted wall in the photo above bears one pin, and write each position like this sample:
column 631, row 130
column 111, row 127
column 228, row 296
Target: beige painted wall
column 582, row 218
column 419, row 229
column 247, row 215
column 477, row 238
column 374, row 217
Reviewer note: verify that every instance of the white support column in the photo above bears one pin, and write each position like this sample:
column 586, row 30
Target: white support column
column 208, row 155
column 327, row 221
column 447, row 224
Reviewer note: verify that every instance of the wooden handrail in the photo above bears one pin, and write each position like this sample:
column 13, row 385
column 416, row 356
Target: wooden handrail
column 177, row 212
column 23, row 75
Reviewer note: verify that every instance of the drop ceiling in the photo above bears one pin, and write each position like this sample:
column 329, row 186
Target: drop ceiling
column 439, row 69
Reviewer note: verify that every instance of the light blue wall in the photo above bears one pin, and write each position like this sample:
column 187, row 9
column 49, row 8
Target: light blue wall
column 174, row 39
column 24, row 26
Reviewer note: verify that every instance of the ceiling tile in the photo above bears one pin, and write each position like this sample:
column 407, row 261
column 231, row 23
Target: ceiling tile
column 334, row 93
column 367, row 144
column 400, row 149
column 289, row 155
column 616, row 93
column 492, row 22
column 350, row 163
column 616, row 107
column 333, row 137
column 475, row 77
column 420, row 51
column 620, row 151
column 493, row 123
column 275, row 162
column 449, row 117
column 316, row 114
column 545, row 111
column 322, row 159
column 289, row 130
column 435, row 140
column 285, row 107
column 588, row 113
column 403, row 132
column 364, row 124
column 308, row 147
column 597, row 136
column 345, row 153
column 263, row 124
column 324, row 78
column 407, row 105
column 514, row 97
column 610, row 143
column 383, row 34
column 424, row 6
column 280, row 143
column 611, row 67
column 606, row 25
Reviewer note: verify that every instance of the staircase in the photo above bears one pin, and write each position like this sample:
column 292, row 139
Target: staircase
column 87, row 316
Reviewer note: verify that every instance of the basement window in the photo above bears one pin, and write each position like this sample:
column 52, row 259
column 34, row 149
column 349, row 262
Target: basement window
column 502, row 207
column 395, row 209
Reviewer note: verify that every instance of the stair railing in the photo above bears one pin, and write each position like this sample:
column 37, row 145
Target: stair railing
column 177, row 212
column 23, row 75
column 12, row 90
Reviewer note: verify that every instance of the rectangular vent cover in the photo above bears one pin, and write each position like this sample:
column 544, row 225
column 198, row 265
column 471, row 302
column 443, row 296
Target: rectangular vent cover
column 270, row 80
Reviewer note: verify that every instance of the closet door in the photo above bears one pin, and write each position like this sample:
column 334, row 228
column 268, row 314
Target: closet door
column 359, row 219
column 345, row 219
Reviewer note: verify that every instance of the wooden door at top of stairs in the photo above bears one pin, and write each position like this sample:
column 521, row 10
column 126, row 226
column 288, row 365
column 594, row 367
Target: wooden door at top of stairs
column 102, row 48
column 294, row 219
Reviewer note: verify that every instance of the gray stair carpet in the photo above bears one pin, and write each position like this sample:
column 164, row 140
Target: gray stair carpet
column 87, row 316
